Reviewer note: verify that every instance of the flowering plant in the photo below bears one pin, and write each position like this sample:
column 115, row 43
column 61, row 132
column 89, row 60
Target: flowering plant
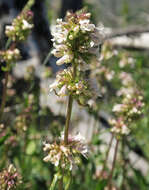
column 76, row 40
column 21, row 27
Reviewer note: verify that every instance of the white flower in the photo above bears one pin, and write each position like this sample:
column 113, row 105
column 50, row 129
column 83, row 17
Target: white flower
column 59, row 34
column 47, row 158
column 56, row 53
column 59, row 50
column 86, row 26
column 46, row 146
column 76, row 29
column 53, row 86
column 119, row 127
column 63, row 91
column 126, row 78
column 9, row 28
column 66, row 155
column 97, row 36
column 92, row 44
column 79, row 137
column 91, row 103
column 65, row 59
column 117, row 108
column 109, row 75
column 134, row 110
column 59, row 20
column 26, row 25
column 125, row 130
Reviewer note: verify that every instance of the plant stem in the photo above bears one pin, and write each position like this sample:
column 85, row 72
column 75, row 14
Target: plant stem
column 28, row 5
column 60, row 185
column 113, row 165
column 8, row 43
column 124, row 163
column 69, row 110
column 4, row 94
column 107, row 154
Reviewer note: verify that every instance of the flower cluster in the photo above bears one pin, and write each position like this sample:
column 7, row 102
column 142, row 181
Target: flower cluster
column 11, row 141
column 75, row 41
column 101, row 71
column 79, row 88
column 24, row 118
column 10, row 56
column 126, row 60
column 126, row 79
column 21, row 27
column 107, row 51
column 119, row 127
column 76, row 38
column 9, row 178
column 66, row 155
column 131, row 105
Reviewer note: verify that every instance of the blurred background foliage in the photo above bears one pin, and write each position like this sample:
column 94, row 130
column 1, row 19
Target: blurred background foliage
column 27, row 123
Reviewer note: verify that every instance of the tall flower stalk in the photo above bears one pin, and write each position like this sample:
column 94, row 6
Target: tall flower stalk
column 76, row 41
column 18, row 31
column 113, row 165
column 8, row 57
column 126, row 112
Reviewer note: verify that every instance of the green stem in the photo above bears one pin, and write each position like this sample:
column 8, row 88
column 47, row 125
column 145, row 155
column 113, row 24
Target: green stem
column 8, row 43
column 113, row 166
column 124, row 163
column 60, row 185
column 4, row 94
column 54, row 182
column 107, row 154
column 47, row 58
column 28, row 5
column 69, row 110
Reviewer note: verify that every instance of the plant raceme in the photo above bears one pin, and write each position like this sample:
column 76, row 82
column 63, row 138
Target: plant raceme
column 76, row 41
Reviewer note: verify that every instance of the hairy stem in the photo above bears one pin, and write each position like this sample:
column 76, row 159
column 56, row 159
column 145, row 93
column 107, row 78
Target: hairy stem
column 4, row 95
column 107, row 154
column 69, row 110
column 113, row 166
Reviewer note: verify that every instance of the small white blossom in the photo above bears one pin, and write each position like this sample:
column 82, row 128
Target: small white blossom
column 53, row 86
column 65, row 59
column 86, row 26
column 119, row 127
column 9, row 28
column 66, row 155
column 63, row 91
column 26, row 25
column 117, row 108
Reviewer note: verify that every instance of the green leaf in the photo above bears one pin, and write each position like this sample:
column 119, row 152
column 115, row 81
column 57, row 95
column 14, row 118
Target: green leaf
column 2, row 139
column 57, row 177
column 101, row 185
column 31, row 147
column 67, row 181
